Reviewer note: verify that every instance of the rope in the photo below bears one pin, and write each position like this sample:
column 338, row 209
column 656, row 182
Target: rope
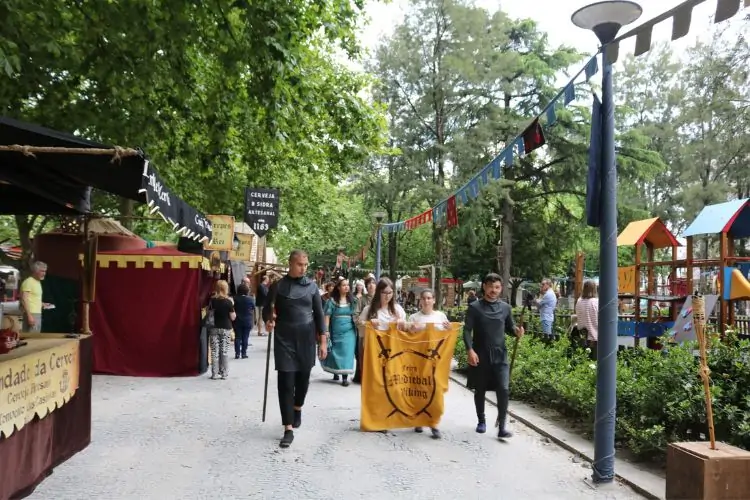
column 116, row 152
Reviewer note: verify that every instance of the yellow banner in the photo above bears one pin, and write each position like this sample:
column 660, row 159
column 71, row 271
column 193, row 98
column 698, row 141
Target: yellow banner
column 626, row 280
column 222, row 232
column 36, row 383
column 244, row 251
column 404, row 377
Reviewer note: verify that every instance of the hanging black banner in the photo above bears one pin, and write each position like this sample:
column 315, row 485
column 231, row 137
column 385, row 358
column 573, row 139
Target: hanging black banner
column 261, row 209
column 184, row 219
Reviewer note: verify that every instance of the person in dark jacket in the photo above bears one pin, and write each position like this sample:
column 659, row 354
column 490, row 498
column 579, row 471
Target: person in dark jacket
column 294, row 312
column 244, row 307
column 260, row 302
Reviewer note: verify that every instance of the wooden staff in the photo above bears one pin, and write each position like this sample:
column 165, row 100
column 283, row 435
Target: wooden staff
column 268, row 365
column 513, row 354
column 699, row 317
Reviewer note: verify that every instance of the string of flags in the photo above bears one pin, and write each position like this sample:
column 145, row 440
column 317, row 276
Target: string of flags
column 531, row 138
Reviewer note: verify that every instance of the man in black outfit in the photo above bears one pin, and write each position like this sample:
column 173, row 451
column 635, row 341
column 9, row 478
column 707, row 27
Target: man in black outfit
column 487, row 322
column 294, row 311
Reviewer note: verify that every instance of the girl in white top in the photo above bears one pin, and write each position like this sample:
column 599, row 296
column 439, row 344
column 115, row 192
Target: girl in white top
column 383, row 309
column 587, row 313
column 418, row 320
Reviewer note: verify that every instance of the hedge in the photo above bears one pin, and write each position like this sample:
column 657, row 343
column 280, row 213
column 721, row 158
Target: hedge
column 659, row 393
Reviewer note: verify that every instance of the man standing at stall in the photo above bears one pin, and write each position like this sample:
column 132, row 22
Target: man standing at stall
column 294, row 312
column 31, row 298
column 487, row 322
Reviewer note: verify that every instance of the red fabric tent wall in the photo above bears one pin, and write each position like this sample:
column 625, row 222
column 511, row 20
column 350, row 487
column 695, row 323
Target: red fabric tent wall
column 146, row 321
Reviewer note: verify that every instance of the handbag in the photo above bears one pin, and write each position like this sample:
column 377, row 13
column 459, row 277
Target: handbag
column 208, row 321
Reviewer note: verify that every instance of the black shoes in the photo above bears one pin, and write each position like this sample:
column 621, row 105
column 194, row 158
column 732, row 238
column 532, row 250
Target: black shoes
column 297, row 419
column 286, row 441
column 504, row 434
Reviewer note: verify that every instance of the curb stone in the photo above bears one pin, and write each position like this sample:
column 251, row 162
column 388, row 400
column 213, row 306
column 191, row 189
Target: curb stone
column 647, row 484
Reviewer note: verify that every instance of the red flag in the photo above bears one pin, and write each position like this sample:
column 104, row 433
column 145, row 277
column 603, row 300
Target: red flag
column 533, row 137
column 451, row 218
column 428, row 215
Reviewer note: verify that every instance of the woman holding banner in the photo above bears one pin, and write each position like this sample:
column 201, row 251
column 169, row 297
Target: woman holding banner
column 419, row 320
column 383, row 309
column 339, row 313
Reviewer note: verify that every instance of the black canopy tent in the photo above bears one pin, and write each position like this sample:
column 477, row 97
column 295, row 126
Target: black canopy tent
column 43, row 171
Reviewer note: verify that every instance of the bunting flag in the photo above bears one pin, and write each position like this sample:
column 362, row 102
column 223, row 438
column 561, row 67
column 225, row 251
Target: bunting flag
column 532, row 138
column 451, row 212
column 593, row 181
column 681, row 16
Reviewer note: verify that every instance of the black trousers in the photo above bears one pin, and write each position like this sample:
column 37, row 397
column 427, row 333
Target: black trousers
column 292, row 388
column 493, row 377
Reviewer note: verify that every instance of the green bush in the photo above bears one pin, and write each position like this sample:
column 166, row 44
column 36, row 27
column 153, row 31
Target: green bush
column 660, row 395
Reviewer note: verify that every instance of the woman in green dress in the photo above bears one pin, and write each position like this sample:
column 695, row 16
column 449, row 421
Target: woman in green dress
column 339, row 316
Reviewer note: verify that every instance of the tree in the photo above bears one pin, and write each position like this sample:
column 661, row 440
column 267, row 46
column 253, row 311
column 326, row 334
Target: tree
column 246, row 93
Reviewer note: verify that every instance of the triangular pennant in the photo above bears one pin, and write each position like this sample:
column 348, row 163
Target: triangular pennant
column 570, row 93
column 681, row 21
column 485, row 174
column 508, row 156
column 551, row 114
column 643, row 40
column 611, row 53
column 464, row 196
column 726, row 9
column 533, row 137
column 474, row 188
column 496, row 166
column 592, row 68
column 520, row 149
column 451, row 212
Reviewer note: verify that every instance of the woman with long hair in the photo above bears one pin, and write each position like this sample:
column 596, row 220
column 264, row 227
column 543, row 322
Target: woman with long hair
column 419, row 320
column 383, row 308
column 219, row 334
column 339, row 313
column 587, row 315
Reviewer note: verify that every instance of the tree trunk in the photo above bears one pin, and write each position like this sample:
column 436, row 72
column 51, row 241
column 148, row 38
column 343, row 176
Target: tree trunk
column 126, row 211
column 507, row 247
column 438, row 233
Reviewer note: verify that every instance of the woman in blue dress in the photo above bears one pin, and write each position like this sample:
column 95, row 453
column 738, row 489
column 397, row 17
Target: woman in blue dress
column 339, row 316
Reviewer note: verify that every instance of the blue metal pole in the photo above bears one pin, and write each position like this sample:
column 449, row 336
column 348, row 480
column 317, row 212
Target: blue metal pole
column 377, row 252
column 606, row 370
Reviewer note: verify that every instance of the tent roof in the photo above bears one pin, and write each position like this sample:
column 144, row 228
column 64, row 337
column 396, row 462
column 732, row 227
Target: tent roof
column 731, row 217
column 57, row 183
column 650, row 231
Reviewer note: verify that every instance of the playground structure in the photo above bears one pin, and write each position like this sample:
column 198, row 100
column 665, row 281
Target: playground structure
column 654, row 235
column 731, row 221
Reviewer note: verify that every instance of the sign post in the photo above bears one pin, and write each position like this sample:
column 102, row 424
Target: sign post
column 261, row 209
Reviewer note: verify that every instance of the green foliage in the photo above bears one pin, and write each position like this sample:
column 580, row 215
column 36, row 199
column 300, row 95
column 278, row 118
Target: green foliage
column 220, row 95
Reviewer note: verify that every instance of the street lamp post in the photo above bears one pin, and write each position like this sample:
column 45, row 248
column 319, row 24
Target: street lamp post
column 378, row 216
column 605, row 19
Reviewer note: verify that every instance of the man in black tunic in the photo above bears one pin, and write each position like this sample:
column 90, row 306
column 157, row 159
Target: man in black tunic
column 294, row 311
column 487, row 322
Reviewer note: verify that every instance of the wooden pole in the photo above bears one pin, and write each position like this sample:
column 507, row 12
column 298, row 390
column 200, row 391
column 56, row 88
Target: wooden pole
column 637, row 296
column 650, row 284
column 689, row 265
column 86, row 306
column 724, row 304
column 699, row 317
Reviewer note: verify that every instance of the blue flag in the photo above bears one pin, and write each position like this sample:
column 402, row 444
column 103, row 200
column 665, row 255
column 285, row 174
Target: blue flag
column 594, row 181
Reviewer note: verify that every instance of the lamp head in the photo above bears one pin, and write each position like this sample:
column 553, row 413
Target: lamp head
column 606, row 18
column 378, row 216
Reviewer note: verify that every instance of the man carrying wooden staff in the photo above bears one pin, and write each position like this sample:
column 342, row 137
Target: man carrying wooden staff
column 294, row 312
column 487, row 322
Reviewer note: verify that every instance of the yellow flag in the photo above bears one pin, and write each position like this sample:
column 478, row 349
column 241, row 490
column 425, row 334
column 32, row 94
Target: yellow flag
column 405, row 375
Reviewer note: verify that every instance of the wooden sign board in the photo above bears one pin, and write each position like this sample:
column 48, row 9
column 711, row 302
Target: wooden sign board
column 244, row 250
column 222, row 232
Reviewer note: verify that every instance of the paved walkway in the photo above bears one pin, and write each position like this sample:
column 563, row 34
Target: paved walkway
column 195, row 438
